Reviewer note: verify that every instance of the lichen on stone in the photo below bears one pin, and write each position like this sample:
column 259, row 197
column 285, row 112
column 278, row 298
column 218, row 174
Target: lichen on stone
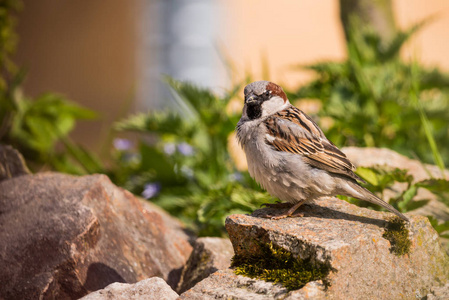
column 277, row 265
column 398, row 235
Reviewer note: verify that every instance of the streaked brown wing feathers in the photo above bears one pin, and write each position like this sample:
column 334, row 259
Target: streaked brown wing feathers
column 293, row 131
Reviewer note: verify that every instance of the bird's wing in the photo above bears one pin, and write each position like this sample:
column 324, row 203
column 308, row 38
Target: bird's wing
column 292, row 131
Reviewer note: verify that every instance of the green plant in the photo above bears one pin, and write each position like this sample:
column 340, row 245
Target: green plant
column 37, row 125
column 441, row 227
column 375, row 99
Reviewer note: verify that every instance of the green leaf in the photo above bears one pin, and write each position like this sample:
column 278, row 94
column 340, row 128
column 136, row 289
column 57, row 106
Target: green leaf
column 368, row 174
column 439, row 187
column 435, row 185
column 415, row 205
column 406, row 197
column 87, row 160
column 440, row 227
column 39, row 124
column 424, row 120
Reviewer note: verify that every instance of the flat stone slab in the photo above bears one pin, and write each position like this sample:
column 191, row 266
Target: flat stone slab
column 154, row 288
column 224, row 284
column 349, row 239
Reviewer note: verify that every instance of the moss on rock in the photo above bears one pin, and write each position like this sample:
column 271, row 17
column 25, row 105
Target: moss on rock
column 398, row 235
column 278, row 265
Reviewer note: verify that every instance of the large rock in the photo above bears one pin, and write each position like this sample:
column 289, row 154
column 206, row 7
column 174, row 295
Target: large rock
column 345, row 238
column 63, row 236
column 209, row 255
column 149, row 289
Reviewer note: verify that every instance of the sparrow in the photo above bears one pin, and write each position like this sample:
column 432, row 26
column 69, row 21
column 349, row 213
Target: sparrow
column 289, row 155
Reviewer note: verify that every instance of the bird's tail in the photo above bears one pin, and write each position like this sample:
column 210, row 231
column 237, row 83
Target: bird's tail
column 370, row 197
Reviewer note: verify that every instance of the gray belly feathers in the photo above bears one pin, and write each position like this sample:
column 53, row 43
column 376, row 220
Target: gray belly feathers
column 283, row 175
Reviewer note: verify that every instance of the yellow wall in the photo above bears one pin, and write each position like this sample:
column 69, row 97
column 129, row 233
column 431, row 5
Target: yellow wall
column 289, row 32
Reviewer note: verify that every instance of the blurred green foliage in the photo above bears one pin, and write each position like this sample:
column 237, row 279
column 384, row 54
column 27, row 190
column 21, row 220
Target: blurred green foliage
column 375, row 99
column 38, row 125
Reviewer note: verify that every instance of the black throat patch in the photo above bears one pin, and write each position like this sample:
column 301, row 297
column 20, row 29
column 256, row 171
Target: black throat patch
column 254, row 111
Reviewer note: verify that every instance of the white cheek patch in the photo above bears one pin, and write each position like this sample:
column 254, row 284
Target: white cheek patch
column 273, row 105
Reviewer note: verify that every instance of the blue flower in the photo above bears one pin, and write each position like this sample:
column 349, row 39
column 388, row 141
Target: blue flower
column 122, row 144
column 151, row 189
column 236, row 176
column 185, row 149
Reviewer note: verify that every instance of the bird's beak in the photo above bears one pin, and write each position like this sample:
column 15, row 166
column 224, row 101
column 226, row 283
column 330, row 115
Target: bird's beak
column 250, row 99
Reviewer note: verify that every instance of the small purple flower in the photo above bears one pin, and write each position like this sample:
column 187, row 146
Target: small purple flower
column 151, row 189
column 236, row 176
column 169, row 148
column 185, row 149
column 122, row 144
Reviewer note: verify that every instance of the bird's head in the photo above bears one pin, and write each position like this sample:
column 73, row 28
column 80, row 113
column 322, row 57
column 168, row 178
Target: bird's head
column 263, row 98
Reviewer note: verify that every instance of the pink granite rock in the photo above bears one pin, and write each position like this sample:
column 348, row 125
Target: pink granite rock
column 154, row 288
column 64, row 236
column 349, row 239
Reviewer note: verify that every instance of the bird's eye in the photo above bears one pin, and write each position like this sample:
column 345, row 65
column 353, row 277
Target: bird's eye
column 267, row 93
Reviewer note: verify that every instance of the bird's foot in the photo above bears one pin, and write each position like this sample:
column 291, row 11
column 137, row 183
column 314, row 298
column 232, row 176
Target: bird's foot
column 288, row 213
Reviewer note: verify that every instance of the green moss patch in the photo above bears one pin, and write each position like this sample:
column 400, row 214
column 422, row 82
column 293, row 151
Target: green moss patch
column 397, row 234
column 279, row 266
